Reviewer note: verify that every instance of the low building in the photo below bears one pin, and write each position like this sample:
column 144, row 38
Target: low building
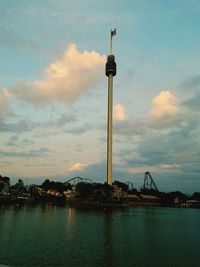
column 69, row 194
column 118, row 193
column 149, row 198
column 191, row 204
column 132, row 198
column 53, row 192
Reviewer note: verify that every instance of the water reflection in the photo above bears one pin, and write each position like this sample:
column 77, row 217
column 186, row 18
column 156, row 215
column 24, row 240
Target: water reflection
column 109, row 242
column 63, row 236
column 70, row 223
column 70, row 215
column 94, row 231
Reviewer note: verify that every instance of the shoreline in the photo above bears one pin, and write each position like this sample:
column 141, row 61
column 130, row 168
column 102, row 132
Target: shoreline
column 87, row 204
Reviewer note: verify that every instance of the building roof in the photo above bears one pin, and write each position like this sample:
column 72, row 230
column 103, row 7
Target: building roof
column 149, row 197
column 132, row 196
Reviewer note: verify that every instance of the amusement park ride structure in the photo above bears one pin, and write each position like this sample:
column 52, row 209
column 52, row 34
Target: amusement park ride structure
column 110, row 71
column 149, row 183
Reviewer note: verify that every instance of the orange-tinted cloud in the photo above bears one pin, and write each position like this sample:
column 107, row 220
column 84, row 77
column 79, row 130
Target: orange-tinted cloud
column 119, row 113
column 64, row 80
column 163, row 105
column 77, row 167
column 4, row 104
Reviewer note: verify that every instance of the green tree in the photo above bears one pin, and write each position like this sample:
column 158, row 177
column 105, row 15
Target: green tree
column 123, row 186
column 19, row 185
column 84, row 190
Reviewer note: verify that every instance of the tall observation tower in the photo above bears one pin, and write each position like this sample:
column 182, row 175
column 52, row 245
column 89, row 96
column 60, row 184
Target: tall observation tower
column 110, row 73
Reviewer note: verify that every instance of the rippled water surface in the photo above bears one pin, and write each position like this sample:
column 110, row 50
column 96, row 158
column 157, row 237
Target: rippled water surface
column 50, row 235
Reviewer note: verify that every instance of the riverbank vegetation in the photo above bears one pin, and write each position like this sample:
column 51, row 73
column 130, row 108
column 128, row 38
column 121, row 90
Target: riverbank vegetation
column 86, row 192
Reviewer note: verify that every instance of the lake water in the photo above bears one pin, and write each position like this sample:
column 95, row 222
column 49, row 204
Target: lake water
column 47, row 235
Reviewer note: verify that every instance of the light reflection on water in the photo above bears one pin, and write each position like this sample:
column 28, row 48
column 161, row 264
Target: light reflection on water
column 49, row 235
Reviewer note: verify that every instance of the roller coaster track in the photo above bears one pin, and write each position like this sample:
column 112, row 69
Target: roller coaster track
column 77, row 180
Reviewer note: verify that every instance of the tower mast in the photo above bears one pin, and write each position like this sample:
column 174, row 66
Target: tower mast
column 110, row 73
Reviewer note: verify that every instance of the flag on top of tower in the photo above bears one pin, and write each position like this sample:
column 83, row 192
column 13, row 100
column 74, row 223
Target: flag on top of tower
column 113, row 32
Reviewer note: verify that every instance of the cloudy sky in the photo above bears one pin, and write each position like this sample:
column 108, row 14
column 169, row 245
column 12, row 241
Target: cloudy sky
column 53, row 90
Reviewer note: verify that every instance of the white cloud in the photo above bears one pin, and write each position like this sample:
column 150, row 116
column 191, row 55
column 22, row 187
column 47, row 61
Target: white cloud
column 64, row 80
column 169, row 166
column 77, row 167
column 156, row 169
column 163, row 105
column 119, row 113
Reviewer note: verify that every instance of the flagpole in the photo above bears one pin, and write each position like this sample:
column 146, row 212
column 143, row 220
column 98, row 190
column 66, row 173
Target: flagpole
column 111, row 42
